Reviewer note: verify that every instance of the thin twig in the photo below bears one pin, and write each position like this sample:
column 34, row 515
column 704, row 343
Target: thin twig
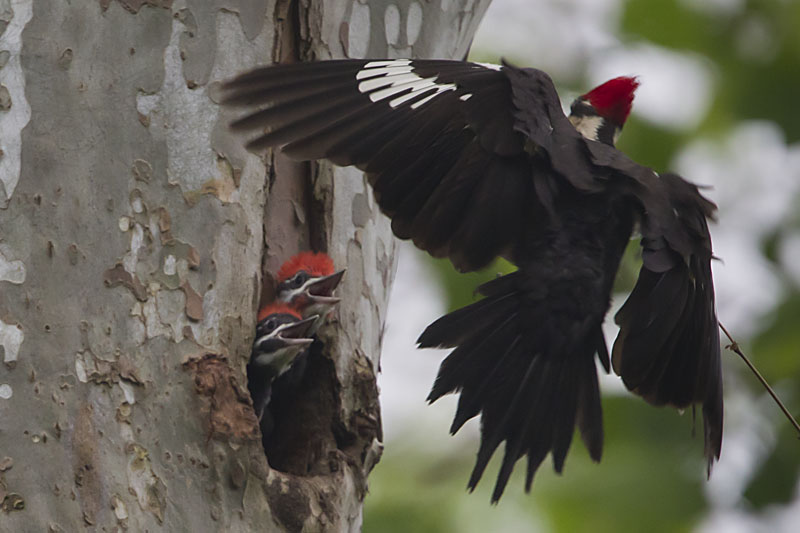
column 734, row 346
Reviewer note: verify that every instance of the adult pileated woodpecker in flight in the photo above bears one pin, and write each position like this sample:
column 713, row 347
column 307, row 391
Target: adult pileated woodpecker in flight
column 476, row 161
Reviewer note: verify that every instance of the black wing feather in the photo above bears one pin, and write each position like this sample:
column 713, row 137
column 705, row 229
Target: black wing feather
column 680, row 365
column 393, row 140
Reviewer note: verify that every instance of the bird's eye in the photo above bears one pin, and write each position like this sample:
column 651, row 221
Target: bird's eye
column 270, row 325
column 299, row 279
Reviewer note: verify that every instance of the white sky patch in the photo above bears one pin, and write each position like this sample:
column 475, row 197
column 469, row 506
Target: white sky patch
column 407, row 373
column 11, row 337
column 512, row 29
column 675, row 90
column 750, row 434
column 16, row 118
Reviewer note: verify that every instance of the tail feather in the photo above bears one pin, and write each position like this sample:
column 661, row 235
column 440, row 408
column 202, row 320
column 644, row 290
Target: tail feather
column 469, row 401
column 513, row 365
column 455, row 328
column 590, row 415
column 513, row 438
column 454, row 372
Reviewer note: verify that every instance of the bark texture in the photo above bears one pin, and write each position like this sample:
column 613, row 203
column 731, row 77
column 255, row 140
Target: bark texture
column 133, row 232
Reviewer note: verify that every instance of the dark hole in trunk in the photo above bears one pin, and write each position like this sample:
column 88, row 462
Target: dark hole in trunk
column 298, row 426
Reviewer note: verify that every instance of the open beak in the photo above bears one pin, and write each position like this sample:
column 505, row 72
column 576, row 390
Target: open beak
column 296, row 333
column 320, row 291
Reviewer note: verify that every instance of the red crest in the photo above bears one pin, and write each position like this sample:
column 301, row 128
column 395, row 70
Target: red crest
column 277, row 309
column 613, row 99
column 316, row 264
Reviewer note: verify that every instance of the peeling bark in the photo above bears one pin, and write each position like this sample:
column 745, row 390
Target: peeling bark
column 133, row 233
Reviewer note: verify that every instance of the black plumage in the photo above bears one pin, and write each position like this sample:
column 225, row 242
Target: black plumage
column 473, row 162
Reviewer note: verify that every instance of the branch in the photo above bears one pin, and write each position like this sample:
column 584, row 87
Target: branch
column 734, row 346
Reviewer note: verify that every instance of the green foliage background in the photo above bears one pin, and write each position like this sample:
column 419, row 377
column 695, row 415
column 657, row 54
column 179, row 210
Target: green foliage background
column 652, row 473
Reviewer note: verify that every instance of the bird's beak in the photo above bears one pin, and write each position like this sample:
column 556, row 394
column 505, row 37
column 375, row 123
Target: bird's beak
column 297, row 333
column 320, row 291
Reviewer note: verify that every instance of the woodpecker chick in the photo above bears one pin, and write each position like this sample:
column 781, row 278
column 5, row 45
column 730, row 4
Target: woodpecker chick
column 281, row 336
column 306, row 282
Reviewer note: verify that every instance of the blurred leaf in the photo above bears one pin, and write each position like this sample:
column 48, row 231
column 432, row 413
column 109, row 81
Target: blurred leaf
column 670, row 23
column 649, row 145
column 770, row 244
column 776, row 350
column 776, row 480
column 651, row 477
column 461, row 288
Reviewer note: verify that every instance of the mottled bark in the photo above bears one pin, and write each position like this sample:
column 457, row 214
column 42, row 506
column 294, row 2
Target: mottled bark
column 133, row 230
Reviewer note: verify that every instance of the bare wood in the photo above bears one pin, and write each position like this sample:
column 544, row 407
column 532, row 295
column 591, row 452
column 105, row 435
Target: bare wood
column 132, row 238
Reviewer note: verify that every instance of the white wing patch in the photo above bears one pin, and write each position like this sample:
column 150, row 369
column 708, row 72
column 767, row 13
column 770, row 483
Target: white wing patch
column 385, row 79
column 391, row 62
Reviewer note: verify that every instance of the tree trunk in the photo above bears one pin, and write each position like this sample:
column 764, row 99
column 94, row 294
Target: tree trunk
column 133, row 231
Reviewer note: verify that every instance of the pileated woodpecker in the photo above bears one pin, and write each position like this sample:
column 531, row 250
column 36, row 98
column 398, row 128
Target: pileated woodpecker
column 476, row 161
column 281, row 336
column 306, row 282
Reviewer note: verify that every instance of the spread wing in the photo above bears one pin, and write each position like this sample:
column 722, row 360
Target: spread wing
column 668, row 346
column 440, row 142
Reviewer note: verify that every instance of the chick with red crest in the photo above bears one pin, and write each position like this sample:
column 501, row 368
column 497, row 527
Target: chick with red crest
column 473, row 162
column 306, row 282
column 282, row 335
